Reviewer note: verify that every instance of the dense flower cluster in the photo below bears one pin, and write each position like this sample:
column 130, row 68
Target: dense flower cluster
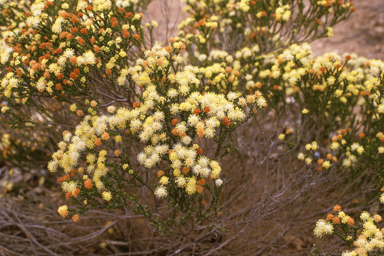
column 366, row 237
column 170, row 117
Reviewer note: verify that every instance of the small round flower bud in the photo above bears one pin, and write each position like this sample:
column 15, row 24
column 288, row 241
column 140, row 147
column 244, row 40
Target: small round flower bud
column 337, row 208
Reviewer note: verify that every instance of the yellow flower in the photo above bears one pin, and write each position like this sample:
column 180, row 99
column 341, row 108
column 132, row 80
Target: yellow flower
column 107, row 196
column 63, row 211
column 326, row 164
column 73, row 107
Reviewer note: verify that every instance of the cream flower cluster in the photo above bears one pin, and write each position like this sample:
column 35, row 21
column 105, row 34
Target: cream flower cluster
column 323, row 227
column 183, row 159
column 349, row 160
column 5, row 51
column 283, row 13
column 371, row 237
column 37, row 9
column 327, row 71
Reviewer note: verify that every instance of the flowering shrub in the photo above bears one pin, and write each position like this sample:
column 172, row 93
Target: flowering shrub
column 366, row 237
column 58, row 54
column 131, row 122
column 169, row 119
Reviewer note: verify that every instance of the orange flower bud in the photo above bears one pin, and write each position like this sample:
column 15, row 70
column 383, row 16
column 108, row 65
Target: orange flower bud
column 201, row 181
column 337, row 208
column 75, row 217
column 88, row 184
column 330, row 216
column 185, row 170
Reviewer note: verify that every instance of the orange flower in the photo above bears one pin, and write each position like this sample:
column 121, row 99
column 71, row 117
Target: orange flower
column 168, row 48
column 200, row 132
column 226, row 121
column 105, row 136
column 75, row 217
column 63, row 213
column 199, row 189
column 73, row 59
column 201, row 181
column 88, row 183
column 117, row 152
column 76, row 192
column 128, row 15
column 196, row 111
column 185, row 170
column 98, row 142
column 337, row 208
column 62, row 35
column 83, row 31
column 68, row 195
column 81, row 41
column 330, row 217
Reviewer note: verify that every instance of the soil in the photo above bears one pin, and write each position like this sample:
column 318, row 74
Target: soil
column 362, row 33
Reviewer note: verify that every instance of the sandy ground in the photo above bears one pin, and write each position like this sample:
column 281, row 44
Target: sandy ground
column 361, row 33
